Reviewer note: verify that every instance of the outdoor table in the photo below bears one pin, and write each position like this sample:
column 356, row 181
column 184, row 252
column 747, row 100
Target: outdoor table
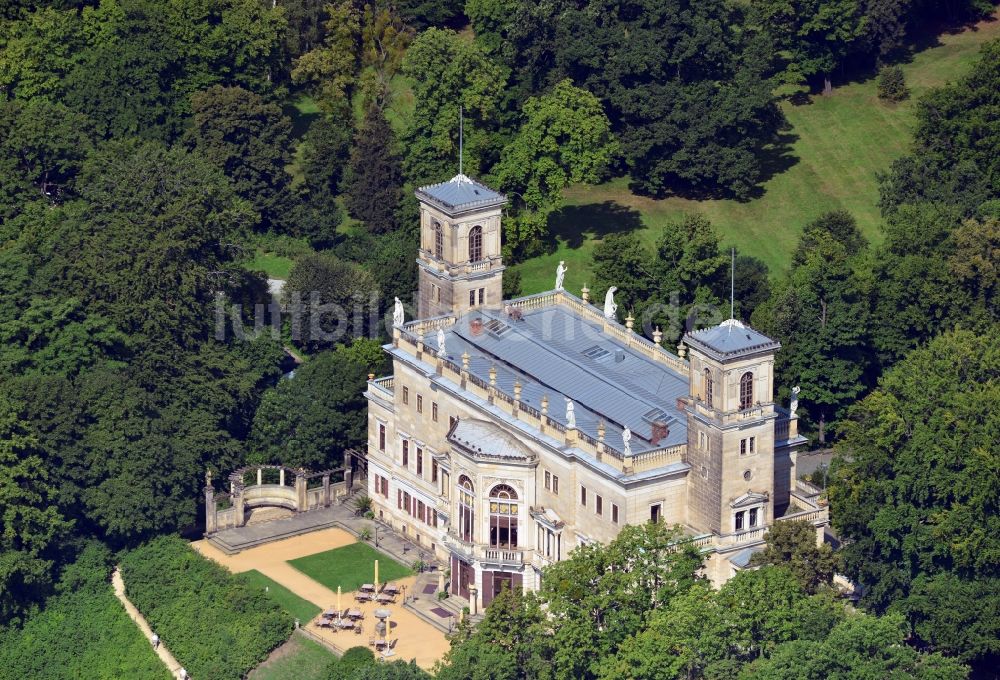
column 392, row 589
column 381, row 643
column 345, row 624
column 354, row 614
column 330, row 613
column 367, row 587
column 362, row 597
column 383, row 598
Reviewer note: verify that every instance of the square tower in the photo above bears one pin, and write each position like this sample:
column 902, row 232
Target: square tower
column 460, row 266
column 731, row 416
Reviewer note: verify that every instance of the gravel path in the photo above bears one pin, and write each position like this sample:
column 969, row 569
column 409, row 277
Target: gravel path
column 140, row 621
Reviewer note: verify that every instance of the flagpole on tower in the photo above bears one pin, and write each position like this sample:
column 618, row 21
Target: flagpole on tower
column 732, row 285
column 461, row 125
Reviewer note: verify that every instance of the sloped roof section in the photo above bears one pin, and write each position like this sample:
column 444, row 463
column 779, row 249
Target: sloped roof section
column 729, row 340
column 460, row 194
column 486, row 439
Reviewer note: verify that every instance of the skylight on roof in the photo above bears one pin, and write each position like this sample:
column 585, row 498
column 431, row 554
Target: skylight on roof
column 654, row 415
column 596, row 352
column 496, row 327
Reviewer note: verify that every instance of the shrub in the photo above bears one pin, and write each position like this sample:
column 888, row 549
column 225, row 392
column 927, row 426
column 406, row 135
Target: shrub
column 891, row 84
column 365, row 534
column 214, row 624
column 83, row 631
column 349, row 665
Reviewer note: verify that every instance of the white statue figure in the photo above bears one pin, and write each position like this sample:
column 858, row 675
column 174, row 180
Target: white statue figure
column 794, row 405
column 561, row 274
column 398, row 316
column 609, row 303
column 627, row 440
column 441, row 350
column 570, row 414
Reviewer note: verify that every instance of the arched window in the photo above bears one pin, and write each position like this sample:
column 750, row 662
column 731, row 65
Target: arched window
column 438, row 241
column 476, row 244
column 708, row 388
column 466, row 509
column 503, row 517
column 746, row 390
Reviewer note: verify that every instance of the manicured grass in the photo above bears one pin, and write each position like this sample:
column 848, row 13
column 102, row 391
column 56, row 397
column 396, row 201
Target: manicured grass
column 833, row 151
column 298, row 659
column 275, row 266
column 303, row 610
column 349, row 567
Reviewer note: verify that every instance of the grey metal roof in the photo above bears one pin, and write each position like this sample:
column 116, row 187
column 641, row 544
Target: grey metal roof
column 481, row 436
column 729, row 340
column 459, row 194
column 548, row 351
column 741, row 560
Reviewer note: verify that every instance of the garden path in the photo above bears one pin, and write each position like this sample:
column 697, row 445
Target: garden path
column 161, row 650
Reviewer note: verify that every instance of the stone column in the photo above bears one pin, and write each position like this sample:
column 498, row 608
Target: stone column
column 473, row 600
column 545, row 413
column 211, row 514
column 301, row 492
column 493, row 383
column 281, row 476
column 465, row 368
column 600, row 439
column 517, row 399
column 348, row 472
column 326, row 490
column 260, row 476
column 441, row 580
column 238, row 507
column 820, row 535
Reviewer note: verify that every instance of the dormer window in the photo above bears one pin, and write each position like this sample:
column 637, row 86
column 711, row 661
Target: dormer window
column 438, row 241
column 476, row 244
column 746, row 390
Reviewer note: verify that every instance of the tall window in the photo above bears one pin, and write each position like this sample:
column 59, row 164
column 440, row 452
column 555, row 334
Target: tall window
column 746, row 390
column 708, row 388
column 438, row 241
column 420, row 462
column 406, row 453
column 476, row 244
column 466, row 508
column 503, row 517
column 381, row 437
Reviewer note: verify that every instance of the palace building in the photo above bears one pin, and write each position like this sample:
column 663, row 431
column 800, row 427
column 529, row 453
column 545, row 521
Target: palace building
column 511, row 432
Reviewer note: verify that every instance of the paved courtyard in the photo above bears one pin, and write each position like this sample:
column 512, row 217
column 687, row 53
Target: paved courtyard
column 418, row 639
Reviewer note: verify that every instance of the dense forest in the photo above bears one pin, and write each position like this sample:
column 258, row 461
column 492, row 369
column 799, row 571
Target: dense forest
column 149, row 147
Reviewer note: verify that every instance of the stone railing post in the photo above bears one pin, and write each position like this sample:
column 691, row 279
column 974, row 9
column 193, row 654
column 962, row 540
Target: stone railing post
column 260, row 476
column 544, row 412
column 493, row 384
column 281, row 476
column 465, row 369
column 326, row 490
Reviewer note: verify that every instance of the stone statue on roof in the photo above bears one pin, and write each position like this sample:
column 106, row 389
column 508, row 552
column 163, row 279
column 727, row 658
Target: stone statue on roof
column 398, row 316
column 561, row 274
column 610, row 308
column 570, row 414
column 794, row 405
column 442, row 352
column 627, row 440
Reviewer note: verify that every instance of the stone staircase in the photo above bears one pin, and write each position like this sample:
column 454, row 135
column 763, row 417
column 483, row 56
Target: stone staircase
column 428, row 607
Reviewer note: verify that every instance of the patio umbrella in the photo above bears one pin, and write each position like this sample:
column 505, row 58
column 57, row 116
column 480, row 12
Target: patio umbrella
column 340, row 607
column 382, row 613
column 376, row 576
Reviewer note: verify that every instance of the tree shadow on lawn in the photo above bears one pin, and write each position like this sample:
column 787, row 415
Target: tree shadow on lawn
column 574, row 223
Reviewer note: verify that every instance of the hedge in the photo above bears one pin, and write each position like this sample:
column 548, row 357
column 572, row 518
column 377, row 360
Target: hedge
column 214, row 624
column 82, row 632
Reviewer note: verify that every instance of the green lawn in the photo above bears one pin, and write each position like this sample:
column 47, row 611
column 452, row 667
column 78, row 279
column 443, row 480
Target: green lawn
column 350, row 566
column 275, row 266
column 303, row 610
column 835, row 147
column 298, row 659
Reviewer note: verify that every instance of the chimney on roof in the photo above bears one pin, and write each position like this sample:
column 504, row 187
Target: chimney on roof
column 619, row 356
column 660, row 431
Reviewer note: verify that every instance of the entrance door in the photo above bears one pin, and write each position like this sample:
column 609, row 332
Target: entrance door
column 655, row 512
column 462, row 576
